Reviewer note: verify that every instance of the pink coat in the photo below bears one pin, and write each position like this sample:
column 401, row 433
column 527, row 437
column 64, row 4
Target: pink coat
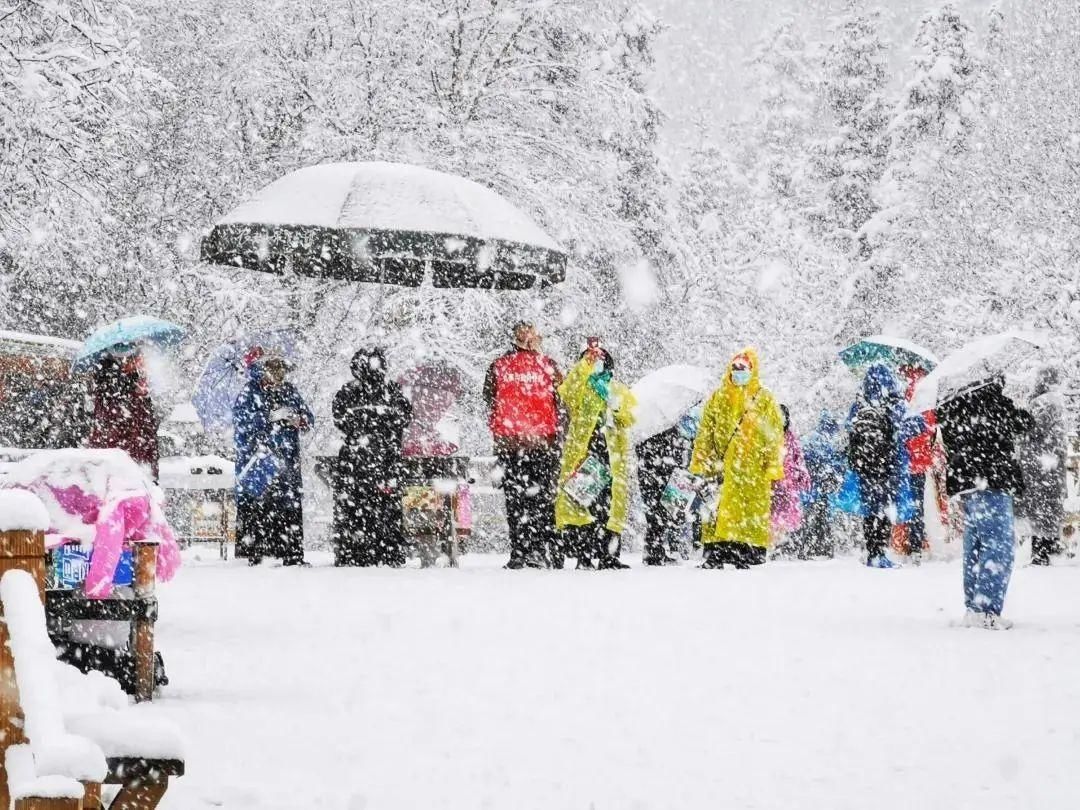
column 787, row 492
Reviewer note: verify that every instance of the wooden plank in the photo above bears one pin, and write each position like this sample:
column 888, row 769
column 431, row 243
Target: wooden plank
column 142, row 628
column 143, row 797
column 49, row 804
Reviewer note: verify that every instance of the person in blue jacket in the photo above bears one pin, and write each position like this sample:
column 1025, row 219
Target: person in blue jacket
column 823, row 453
column 268, row 418
column 878, row 429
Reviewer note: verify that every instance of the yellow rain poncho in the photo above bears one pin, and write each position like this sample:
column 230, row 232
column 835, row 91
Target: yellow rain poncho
column 585, row 408
column 741, row 438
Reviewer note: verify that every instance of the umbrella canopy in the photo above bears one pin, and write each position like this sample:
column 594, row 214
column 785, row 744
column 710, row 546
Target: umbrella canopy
column 974, row 363
column 666, row 394
column 389, row 223
column 124, row 335
column 224, row 376
column 891, row 351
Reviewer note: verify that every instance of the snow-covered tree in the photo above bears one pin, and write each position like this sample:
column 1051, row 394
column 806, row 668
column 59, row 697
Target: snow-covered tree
column 70, row 90
column 852, row 159
column 937, row 112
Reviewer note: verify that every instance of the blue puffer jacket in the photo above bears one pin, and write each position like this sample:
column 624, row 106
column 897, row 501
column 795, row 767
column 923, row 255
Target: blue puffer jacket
column 824, row 458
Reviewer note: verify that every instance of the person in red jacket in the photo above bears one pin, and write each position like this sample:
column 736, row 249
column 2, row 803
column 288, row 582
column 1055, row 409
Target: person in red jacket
column 922, row 458
column 124, row 415
column 523, row 414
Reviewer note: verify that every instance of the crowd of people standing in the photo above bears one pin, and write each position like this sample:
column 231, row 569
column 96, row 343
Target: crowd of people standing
column 564, row 445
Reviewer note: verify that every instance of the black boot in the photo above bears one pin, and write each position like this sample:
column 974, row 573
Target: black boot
column 713, row 558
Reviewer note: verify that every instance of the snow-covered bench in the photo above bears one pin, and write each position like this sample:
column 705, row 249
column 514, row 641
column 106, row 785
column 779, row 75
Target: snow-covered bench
column 79, row 728
column 64, row 733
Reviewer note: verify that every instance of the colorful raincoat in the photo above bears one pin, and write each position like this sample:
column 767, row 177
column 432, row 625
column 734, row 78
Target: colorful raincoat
column 787, row 512
column 588, row 411
column 741, row 438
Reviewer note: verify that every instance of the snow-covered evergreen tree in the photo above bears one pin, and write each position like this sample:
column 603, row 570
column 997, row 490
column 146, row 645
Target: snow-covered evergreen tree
column 937, row 111
column 852, row 159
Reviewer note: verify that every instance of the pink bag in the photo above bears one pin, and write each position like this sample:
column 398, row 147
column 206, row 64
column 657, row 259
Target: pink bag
column 463, row 513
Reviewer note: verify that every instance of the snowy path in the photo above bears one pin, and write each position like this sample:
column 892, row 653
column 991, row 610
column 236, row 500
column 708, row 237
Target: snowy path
column 796, row 686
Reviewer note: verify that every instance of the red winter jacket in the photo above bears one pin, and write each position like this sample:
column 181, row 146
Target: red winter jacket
column 521, row 399
column 124, row 416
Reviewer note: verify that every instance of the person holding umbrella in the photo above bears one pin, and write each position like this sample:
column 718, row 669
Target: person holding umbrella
column 740, row 444
column 124, row 417
column 658, row 458
column 372, row 413
column 523, row 414
column 268, row 418
column 979, row 426
column 594, row 487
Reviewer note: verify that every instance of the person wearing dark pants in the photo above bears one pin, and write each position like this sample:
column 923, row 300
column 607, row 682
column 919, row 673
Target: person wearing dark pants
column 523, row 414
column 1042, row 453
column 372, row 413
column 268, row 418
column 658, row 457
column 592, row 501
column 529, row 480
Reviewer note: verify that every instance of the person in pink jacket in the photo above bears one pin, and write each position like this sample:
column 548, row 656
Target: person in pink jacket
column 787, row 493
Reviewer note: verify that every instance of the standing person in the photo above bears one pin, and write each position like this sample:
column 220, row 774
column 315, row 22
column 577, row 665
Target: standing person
column 268, row 417
column 601, row 412
column 1042, row 454
column 373, row 414
column 658, row 457
column 921, row 456
column 979, row 427
column 124, row 416
column 824, row 455
column 876, row 433
column 523, row 414
column 740, row 443
column 787, row 493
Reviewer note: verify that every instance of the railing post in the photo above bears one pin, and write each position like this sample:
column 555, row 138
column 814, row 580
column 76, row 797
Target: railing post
column 23, row 550
column 142, row 627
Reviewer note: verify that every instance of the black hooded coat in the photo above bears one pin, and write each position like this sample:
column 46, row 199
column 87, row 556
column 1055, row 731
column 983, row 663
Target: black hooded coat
column 372, row 413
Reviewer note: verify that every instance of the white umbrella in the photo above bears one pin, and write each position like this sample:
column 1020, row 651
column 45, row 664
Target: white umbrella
column 666, row 394
column 387, row 222
column 974, row 362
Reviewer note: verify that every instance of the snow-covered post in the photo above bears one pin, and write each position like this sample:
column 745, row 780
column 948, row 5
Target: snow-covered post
column 23, row 521
column 142, row 628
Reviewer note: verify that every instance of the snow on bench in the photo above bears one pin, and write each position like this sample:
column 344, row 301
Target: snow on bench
column 80, row 728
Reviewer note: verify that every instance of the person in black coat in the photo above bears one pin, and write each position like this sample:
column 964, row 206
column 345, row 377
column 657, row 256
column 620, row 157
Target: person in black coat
column 373, row 414
column 658, row 457
column 979, row 428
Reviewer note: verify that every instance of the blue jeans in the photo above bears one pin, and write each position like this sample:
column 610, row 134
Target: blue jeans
column 989, row 549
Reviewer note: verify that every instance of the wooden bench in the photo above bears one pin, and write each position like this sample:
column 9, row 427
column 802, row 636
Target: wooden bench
column 77, row 731
column 133, row 668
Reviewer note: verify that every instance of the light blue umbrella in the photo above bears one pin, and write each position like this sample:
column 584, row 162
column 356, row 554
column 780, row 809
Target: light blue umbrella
column 225, row 374
column 125, row 335
column 890, row 351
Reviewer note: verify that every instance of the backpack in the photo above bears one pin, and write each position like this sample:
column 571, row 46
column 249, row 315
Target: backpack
column 872, row 442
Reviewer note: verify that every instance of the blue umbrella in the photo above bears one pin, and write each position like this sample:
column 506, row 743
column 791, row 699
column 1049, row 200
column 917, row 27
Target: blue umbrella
column 225, row 375
column 891, row 351
column 125, row 335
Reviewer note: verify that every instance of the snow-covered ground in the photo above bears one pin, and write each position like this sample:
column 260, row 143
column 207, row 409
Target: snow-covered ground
column 821, row 685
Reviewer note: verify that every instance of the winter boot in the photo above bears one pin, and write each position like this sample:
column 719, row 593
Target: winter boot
column 713, row 558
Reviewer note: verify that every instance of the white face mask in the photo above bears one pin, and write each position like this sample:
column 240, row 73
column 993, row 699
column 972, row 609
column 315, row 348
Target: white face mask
column 598, row 367
column 741, row 376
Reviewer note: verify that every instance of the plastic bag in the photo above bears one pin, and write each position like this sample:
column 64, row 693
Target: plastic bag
column 679, row 493
column 587, row 482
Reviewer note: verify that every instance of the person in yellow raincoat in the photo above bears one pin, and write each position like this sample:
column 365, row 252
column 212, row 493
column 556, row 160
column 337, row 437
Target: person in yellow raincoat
column 601, row 411
column 740, row 444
